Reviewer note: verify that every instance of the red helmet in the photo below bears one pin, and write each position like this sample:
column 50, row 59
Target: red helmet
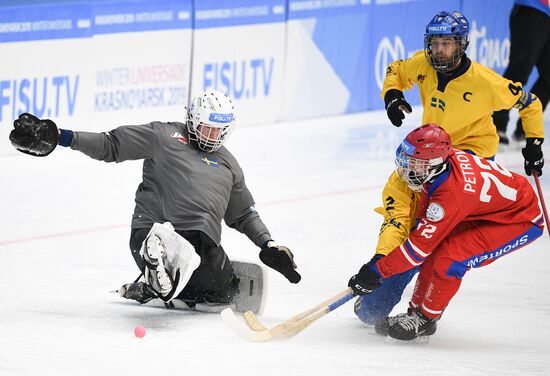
column 423, row 155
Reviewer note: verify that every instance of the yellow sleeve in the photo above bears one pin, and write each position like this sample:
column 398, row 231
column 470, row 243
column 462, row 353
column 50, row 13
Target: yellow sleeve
column 402, row 74
column 510, row 94
column 399, row 211
column 531, row 117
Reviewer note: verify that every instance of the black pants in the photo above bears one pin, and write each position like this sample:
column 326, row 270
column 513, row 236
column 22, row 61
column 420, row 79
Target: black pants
column 529, row 47
column 213, row 281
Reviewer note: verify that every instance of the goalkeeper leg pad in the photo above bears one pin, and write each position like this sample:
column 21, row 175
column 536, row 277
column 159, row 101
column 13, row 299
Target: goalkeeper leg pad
column 169, row 259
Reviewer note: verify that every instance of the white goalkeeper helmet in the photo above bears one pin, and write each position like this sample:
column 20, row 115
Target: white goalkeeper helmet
column 210, row 120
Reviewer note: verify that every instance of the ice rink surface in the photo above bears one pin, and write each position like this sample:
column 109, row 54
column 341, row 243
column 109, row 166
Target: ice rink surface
column 64, row 234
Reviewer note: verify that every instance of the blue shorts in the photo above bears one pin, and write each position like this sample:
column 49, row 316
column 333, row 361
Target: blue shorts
column 373, row 307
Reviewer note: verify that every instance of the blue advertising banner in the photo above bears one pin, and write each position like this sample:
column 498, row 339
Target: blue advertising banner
column 239, row 49
column 44, row 21
column 327, row 45
column 215, row 13
column 141, row 66
column 325, row 8
column 52, row 20
column 130, row 16
column 397, row 32
column 278, row 59
column 106, row 62
column 489, row 32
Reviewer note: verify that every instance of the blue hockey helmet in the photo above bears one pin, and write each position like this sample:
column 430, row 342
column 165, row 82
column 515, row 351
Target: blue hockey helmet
column 446, row 24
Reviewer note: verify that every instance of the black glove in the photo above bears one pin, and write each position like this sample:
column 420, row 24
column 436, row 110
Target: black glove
column 366, row 280
column 532, row 152
column 280, row 258
column 395, row 105
column 34, row 136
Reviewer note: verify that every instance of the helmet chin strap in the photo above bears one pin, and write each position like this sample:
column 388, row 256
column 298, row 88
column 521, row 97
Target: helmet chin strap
column 430, row 177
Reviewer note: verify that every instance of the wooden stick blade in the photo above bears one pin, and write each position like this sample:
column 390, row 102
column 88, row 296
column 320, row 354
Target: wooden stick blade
column 255, row 324
column 243, row 331
column 252, row 321
column 255, row 331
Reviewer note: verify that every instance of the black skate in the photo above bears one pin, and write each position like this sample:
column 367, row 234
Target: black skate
column 138, row 291
column 382, row 327
column 411, row 325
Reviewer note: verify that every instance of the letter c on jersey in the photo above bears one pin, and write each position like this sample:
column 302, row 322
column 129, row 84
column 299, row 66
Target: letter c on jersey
column 466, row 95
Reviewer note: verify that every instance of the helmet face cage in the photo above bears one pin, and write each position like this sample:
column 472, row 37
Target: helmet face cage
column 210, row 120
column 423, row 155
column 415, row 171
column 447, row 25
column 445, row 64
column 209, row 138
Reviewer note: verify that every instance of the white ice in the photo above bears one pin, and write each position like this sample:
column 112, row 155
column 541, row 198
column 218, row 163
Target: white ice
column 64, row 231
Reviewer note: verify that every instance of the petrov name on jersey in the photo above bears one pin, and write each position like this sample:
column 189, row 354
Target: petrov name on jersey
column 467, row 171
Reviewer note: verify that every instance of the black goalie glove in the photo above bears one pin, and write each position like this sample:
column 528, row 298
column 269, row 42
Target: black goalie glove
column 532, row 152
column 33, row 136
column 395, row 106
column 280, row 258
column 366, row 280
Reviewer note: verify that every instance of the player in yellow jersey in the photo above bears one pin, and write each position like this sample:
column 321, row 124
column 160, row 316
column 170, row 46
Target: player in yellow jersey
column 460, row 96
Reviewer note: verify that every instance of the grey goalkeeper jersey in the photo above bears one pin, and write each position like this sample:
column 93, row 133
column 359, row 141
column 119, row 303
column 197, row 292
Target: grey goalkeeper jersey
column 191, row 189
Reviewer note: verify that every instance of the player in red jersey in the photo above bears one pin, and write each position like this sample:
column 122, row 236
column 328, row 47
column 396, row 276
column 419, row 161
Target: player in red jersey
column 472, row 211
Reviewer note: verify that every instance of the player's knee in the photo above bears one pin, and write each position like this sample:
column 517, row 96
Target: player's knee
column 215, row 274
column 365, row 312
column 372, row 308
column 450, row 269
column 207, row 285
column 227, row 291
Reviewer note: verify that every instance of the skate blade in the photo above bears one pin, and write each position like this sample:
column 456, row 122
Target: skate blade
column 417, row 341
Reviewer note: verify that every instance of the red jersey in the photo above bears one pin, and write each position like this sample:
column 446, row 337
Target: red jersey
column 472, row 189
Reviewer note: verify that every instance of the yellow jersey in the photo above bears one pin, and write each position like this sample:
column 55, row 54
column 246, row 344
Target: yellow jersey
column 399, row 211
column 464, row 105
